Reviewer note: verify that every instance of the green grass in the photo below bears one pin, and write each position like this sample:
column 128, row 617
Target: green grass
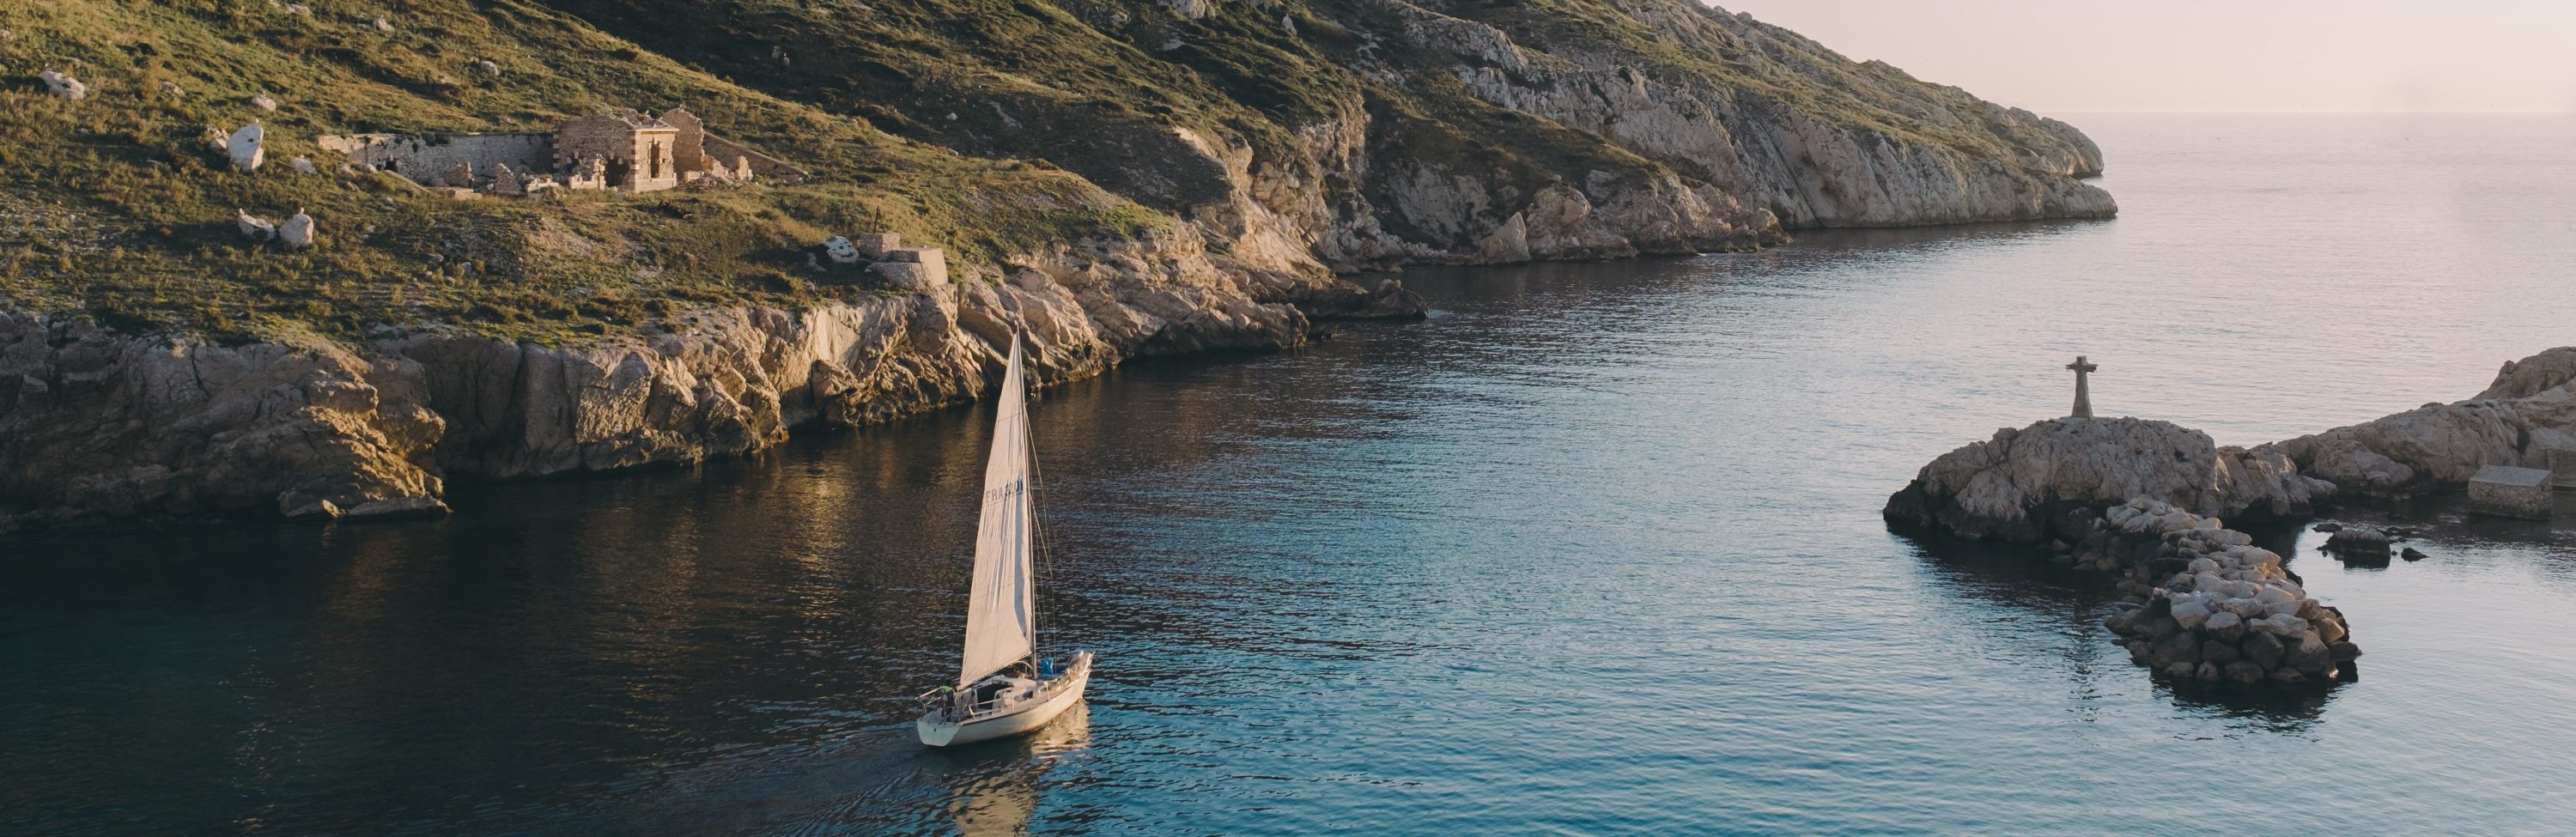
column 115, row 208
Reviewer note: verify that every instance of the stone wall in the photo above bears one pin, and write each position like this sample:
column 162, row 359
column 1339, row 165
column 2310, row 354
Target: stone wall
column 727, row 151
column 605, row 136
column 425, row 157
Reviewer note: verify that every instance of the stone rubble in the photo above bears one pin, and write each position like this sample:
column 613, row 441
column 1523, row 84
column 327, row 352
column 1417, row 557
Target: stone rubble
column 2216, row 609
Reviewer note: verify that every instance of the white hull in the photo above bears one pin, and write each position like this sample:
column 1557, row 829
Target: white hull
column 1054, row 697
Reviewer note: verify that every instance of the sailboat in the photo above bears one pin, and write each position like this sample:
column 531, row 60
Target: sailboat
column 1003, row 686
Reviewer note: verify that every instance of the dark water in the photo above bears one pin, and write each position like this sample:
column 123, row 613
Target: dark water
column 1593, row 551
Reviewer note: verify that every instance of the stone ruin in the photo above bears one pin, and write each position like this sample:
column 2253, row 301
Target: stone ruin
column 883, row 254
column 631, row 152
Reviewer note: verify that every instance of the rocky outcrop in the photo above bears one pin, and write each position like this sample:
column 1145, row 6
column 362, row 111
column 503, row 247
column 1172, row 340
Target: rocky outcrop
column 2211, row 607
column 2527, row 412
column 99, row 425
column 2018, row 485
column 1423, row 131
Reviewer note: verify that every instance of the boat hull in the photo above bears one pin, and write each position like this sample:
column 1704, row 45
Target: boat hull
column 1058, row 695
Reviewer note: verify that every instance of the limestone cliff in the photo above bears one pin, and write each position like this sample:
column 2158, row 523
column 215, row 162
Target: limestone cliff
column 95, row 424
column 1347, row 134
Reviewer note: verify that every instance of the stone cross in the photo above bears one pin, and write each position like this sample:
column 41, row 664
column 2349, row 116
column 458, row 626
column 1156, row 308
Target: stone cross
column 2083, row 392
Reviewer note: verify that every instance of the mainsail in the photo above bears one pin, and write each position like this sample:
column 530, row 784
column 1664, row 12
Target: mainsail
column 1001, row 622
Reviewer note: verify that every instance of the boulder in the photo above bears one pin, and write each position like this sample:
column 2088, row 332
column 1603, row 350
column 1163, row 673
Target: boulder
column 2221, row 653
column 2309, row 654
column 2262, row 649
column 252, row 226
column 2180, row 648
column 264, row 102
column 2243, row 673
column 63, row 86
column 246, row 147
column 2411, row 554
column 2358, row 541
column 2206, row 672
column 297, row 234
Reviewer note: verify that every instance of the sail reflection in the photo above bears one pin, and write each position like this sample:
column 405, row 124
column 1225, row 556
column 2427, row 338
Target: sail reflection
column 994, row 790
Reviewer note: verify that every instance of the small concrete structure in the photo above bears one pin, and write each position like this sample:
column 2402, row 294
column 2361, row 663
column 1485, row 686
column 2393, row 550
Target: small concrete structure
column 875, row 245
column 2562, row 465
column 2083, row 391
column 917, row 268
column 2508, row 491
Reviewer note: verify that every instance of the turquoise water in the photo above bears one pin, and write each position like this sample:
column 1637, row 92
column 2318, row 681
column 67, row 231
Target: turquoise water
column 1594, row 550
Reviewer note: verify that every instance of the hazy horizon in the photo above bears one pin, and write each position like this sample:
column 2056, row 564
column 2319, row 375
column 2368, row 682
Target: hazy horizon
column 2204, row 56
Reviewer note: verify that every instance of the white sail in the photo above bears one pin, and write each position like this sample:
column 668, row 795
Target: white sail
column 1001, row 618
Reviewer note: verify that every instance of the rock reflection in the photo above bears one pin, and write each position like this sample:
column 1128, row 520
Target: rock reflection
column 2064, row 609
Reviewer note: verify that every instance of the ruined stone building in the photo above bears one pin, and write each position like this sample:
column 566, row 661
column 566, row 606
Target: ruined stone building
column 631, row 152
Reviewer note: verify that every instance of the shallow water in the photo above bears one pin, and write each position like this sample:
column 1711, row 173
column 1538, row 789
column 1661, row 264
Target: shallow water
column 1595, row 550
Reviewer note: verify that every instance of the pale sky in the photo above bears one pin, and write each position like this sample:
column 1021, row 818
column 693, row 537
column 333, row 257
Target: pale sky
column 2067, row 56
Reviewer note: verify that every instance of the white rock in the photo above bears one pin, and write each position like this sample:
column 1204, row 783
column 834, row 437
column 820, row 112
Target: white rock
column 2191, row 614
column 246, row 147
column 383, row 25
column 173, row 89
column 2247, row 608
column 2289, row 608
column 2281, row 625
column 2222, row 620
column 2273, row 595
column 297, row 232
column 264, row 102
column 253, row 226
column 2202, row 565
column 63, row 86
column 487, row 67
column 841, row 250
column 302, row 164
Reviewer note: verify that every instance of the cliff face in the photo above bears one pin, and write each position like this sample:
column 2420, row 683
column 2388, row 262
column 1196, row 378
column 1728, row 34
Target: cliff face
column 97, row 424
column 1348, row 134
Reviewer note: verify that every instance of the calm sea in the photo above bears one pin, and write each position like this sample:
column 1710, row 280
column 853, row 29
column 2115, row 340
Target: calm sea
column 1595, row 550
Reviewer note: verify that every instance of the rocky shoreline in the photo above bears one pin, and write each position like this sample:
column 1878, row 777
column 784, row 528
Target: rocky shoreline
column 98, row 426
column 2140, row 501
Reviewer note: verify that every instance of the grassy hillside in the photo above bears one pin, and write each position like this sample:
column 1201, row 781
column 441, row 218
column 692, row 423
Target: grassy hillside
column 991, row 127
column 114, row 206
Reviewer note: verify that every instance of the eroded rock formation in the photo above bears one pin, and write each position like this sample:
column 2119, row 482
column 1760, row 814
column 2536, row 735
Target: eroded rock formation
column 2012, row 487
column 2527, row 412
column 96, row 424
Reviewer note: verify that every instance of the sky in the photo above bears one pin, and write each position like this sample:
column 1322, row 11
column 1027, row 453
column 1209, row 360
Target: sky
column 2072, row 56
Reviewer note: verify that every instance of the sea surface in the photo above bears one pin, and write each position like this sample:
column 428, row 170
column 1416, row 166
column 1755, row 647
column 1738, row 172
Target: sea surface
column 1594, row 550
